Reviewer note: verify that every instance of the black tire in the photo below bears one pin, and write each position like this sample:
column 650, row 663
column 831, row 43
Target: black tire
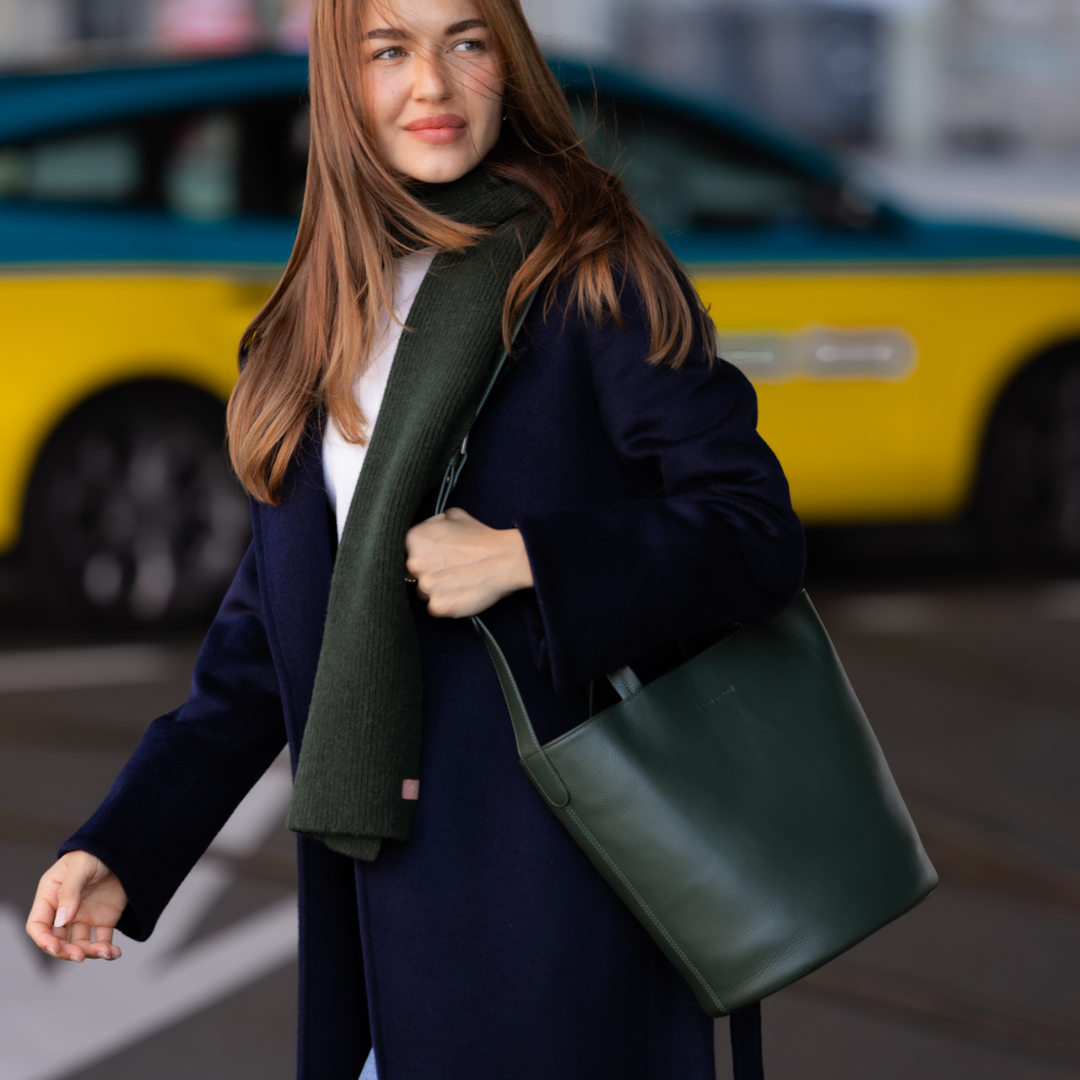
column 1028, row 502
column 134, row 515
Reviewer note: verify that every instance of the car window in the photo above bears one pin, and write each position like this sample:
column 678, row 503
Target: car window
column 102, row 166
column 250, row 159
column 275, row 136
column 684, row 175
column 202, row 173
column 206, row 166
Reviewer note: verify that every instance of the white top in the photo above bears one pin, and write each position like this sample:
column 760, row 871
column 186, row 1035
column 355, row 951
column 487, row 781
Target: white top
column 342, row 460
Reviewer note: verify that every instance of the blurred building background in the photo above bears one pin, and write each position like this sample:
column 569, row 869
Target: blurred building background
column 32, row 31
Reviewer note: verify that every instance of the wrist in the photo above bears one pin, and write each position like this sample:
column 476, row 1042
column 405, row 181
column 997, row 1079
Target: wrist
column 521, row 570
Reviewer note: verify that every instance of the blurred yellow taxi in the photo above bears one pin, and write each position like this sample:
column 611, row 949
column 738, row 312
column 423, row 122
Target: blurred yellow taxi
column 145, row 214
column 908, row 371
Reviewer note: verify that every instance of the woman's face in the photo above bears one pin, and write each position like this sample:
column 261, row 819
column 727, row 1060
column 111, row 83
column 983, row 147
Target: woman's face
column 432, row 86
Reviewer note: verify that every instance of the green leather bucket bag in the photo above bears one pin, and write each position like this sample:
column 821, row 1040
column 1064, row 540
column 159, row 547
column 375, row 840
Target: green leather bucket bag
column 740, row 805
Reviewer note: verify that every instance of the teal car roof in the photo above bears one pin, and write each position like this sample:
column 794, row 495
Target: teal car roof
column 43, row 103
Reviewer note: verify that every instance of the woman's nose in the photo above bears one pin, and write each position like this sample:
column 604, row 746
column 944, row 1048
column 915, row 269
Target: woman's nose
column 433, row 81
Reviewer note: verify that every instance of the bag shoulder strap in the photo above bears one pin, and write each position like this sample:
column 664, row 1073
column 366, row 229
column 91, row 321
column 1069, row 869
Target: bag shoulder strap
column 457, row 462
column 746, row 1056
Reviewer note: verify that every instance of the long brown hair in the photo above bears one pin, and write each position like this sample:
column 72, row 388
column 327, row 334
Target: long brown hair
column 307, row 345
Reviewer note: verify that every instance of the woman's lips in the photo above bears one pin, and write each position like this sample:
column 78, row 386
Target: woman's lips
column 437, row 129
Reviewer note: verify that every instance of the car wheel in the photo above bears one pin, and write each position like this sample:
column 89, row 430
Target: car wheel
column 133, row 512
column 1029, row 494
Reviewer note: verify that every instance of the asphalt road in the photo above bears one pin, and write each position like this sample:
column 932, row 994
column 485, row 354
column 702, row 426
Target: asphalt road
column 973, row 688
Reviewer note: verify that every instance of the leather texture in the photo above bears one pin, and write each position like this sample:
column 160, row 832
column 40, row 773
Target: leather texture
column 739, row 805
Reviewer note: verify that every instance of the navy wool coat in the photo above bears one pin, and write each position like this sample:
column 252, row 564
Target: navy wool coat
column 486, row 947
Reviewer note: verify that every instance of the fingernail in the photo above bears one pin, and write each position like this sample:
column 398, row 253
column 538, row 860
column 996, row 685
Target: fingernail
column 50, row 951
column 76, row 959
column 61, row 918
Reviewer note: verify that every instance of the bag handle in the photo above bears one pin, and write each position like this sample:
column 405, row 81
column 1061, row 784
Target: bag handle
column 530, row 752
column 625, row 682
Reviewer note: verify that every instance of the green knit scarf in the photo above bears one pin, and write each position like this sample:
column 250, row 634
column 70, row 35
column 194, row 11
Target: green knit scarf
column 362, row 741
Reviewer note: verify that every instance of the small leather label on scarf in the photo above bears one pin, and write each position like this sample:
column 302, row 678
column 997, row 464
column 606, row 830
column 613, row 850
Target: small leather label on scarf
column 410, row 790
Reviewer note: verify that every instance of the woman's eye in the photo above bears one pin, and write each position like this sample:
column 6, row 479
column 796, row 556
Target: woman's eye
column 472, row 45
column 395, row 52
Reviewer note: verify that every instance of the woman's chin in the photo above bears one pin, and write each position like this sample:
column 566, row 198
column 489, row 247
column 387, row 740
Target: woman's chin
column 438, row 168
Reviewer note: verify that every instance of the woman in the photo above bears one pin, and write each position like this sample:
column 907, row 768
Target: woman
column 616, row 499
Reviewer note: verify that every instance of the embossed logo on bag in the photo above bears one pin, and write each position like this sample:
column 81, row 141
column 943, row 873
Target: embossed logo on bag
column 717, row 698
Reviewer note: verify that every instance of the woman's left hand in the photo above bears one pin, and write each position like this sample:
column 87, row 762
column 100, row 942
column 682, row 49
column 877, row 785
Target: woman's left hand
column 462, row 567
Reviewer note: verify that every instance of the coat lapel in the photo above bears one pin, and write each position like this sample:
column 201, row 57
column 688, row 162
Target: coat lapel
column 295, row 544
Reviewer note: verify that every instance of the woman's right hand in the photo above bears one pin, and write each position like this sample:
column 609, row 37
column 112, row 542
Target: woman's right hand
column 78, row 896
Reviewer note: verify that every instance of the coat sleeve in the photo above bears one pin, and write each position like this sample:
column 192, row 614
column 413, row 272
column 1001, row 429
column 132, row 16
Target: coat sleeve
column 717, row 542
column 194, row 765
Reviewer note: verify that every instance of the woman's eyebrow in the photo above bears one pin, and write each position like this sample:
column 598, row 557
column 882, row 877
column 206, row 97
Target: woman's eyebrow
column 466, row 24
column 390, row 33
